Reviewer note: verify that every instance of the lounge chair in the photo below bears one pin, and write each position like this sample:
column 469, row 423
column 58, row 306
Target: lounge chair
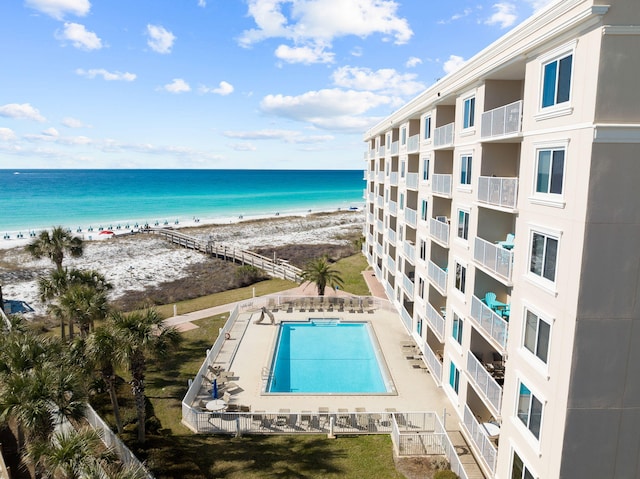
column 508, row 242
column 495, row 305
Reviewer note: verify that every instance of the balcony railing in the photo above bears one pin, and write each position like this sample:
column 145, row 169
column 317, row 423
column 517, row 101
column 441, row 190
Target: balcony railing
column 413, row 145
column 382, row 150
column 389, row 289
column 409, row 286
column 395, row 148
column 391, row 235
column 393, row 178
column 487, row 386
column 483, row 444
column 490, row 323
column 495, row 258
column 372, row 153
column 436, row 321
column 441, row 184
column 504, row 120
column 380, row 177
column 379, row 225
column 370, row 239
column 391, row 264
column 371, row 197
column 380, row 201
column 443, row 136
column 409, row 251
column 433, row 363
column 412, row 181
column 377, row 270
column 411, row 216
column 438, row 276
column 439, row 230
column 379, row 250
column 406, row 318
column 393, row 208
column 369, row 218
column 501, row 192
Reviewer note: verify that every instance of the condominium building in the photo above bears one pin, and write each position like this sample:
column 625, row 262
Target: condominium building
column 503, row 219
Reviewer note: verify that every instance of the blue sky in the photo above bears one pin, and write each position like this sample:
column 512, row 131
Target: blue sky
column 276, row 84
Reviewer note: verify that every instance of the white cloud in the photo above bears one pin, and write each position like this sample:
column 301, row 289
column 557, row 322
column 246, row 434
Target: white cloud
column 160, row 40
column 7, row 134
column 288, row 136
column 72, row 123
column 202, row 3
column 79, row 37
column 539, row 4
column 456, row 16
column 178, row 85
column 52, row 132
column 504, row 15
column 242, row 147
column 58, row 8
column 385, row 80
column 224, row 88
column 106, row 75
column 23, row 111
column 453, row 63
column 356, row 51
column 306, row 55
column 413, row 62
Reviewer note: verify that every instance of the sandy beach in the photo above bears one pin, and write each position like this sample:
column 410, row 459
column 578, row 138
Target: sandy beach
column 136, row 262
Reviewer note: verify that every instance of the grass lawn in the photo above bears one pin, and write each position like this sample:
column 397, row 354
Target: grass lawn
column 175, row 452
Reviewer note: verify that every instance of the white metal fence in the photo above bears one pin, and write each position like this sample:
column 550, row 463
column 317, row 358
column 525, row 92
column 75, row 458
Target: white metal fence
column 504, row 120
column 439, row 230
column 443, row 135
column 438, row 276
column 495, row 258
column 487, row 386
column 436, row 321
column 488, row 452
column 492, row 324
column 441, row 184
column 497, row 191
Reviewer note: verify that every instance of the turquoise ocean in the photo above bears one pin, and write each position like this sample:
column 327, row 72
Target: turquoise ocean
column 31, row 200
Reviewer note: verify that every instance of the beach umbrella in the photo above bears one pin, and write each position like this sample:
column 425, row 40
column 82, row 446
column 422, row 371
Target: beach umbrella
column 214, row 389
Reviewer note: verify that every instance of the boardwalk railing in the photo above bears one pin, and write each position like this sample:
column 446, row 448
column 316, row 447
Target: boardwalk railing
column 279, row 269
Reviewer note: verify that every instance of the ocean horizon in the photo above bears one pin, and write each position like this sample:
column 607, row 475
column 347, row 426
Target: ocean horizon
column 32, row 200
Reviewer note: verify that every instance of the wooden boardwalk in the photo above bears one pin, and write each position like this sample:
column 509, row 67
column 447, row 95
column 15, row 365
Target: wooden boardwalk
column 273, row 267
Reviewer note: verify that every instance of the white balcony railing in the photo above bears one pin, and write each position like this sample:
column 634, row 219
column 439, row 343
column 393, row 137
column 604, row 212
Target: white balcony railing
column 406, row 318
column 495, row 191
column 481, row 441
column 413, row 145
column 391, row 235
column 411, row 217
column 436, row 321
column 393, row 178
column 439, row 230
column 433, row 363
column 438, row 276
column 372, row 153
column 370, row 219
column 393, row 208
column 381, row 151
column 379, row 225
column 487, row 386
column 501, row 121
column 490, row 323
column 495, row 258
column 380, row 201
column 443, row 136
column 380, row 251
column 391, row 265
column 412, row 181
column 409, row 251
column 389, row 289
column 395, row 148
column 441, row 184
column 370, row 239
column 371, row 197
column 380, row 177
column 409, row 286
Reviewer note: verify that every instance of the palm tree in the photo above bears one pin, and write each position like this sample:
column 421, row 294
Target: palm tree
column 53, row 245
column 320, row 272
column 102, row 351
column 139, row 335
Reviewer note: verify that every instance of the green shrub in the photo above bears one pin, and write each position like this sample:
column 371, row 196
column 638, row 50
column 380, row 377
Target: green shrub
column 447, row 474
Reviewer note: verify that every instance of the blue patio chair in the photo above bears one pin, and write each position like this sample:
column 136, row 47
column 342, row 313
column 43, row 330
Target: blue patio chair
column 491, row 301
column 508, row 242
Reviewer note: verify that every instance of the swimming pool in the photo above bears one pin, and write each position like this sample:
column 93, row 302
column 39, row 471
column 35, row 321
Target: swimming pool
column 327, row 357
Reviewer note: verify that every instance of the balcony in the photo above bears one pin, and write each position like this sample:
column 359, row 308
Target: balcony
column 494, row 258
column 500, row 192
column 382, row 150
column 393, row 178
column 393, row 208
column 391, row 236
column 370, row 219
column 412, row 181
column 406, row 318
column 443, row 136
column 389, row 289
column 379, row 251
column 491, row 324
column 486, row 386
column 409, row 250
column 411, row 217
column 408, row 285
column 380, row 177
column 439, row 230
column 438, row 277
column 395, row 148
column 502, row 121
column 377, row 270
column 441, row 185
column 413, row 145
column 371, row 197
column 372, row 153
column 436, row 321
column 379, row 226
column 380, row 202
column 433, row 363
column 480, row 439
column 391, row 265
column 370, row 239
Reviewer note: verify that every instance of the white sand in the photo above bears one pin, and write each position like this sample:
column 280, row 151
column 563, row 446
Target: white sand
column 141, row 261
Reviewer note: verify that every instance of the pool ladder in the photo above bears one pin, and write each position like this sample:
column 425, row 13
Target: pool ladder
column 268, row 376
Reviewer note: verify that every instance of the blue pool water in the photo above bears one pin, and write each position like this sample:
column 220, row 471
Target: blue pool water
column 325, row 357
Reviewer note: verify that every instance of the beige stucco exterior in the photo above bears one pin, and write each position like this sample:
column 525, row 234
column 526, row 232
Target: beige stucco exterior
column 587, row 384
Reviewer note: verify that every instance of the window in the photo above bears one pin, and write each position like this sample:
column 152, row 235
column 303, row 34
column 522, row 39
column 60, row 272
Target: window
column 550, row 171
column 403, row 167
column 463, row 224
column 421, row 287
column 389, row 140
column 461, row 277
column 469, row 112
column 423, row 211
column 423, row 250
column 465, row 169
column 401, row 201
column 419, row 327
column 544, row 253
column 556, row 81
column 536, row 335
column 403, row 137
column 427, row 127
column 425, row 169
column 518, row 469
column 454, row 377
column 458, row 324
column 529, row 410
